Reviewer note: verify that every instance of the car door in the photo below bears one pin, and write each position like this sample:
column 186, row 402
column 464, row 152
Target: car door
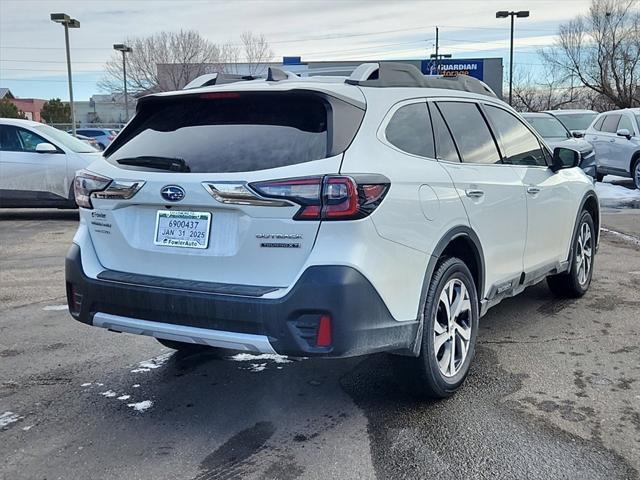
column 491, row 192
column 623, row 148
column 606, row 139
column 550, row 201
column 26, row 174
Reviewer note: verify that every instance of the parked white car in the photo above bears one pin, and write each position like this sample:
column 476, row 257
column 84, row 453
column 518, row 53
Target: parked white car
column 328, row 217
column 615, row 136
column 38, row 164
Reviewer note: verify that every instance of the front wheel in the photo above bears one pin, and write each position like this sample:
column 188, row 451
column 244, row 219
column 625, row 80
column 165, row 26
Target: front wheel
column 576, row 281
column 635, row 173
column 450, row 326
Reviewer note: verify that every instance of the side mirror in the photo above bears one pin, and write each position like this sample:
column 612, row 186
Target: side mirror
column 46, row 148
column 577, row 133
column 565, row 158
column 623, row 132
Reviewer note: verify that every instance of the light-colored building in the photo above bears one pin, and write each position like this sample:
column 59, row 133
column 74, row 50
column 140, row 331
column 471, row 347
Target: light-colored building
column 104, row 109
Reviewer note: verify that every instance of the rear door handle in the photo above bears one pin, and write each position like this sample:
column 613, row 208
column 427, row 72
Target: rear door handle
column 474, row 193
column 533, row 190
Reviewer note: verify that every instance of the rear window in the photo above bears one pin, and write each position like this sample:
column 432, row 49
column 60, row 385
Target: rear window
column 235, row 132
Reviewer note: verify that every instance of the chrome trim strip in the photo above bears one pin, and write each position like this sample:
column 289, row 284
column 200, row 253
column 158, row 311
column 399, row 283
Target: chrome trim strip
column 182, row 333
column 238, row 193
column 119, row 190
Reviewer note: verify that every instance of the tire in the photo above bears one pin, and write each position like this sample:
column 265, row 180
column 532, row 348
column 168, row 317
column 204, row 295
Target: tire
column 438, row 377
column 575, row 282
column 635, row 173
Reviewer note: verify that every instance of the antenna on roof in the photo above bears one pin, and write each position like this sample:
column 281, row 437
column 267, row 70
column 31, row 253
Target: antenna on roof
column 275, row 74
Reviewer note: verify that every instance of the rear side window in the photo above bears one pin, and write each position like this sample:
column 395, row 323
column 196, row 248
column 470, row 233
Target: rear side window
column 625, row 123
column 598, row 124
column 610, row 123
column 521, row 147
column 445, row 148
column 235, row 132
column 410, row 130
column 470, row 132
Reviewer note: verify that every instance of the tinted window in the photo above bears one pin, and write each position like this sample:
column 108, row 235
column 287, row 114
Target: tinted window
column 470, row 132
column 598, row 124
column 548, row 127
column 445, row 148
column 521, row 147
column 9, row 139
column 625, row 122
column 30, row 140
column 610, row 123
column 409, row 130
column 229, row 132
column 577, row 121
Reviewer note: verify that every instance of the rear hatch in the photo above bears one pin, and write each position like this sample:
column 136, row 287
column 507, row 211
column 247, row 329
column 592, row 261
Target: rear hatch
column 206, row 159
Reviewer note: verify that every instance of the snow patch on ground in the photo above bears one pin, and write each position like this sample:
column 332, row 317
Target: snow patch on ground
column 136, row 385
column 609, row 191
column 108, row 394
column 8, row 418
column 247, row 357
column 124, row 397
column 257, row 367
column 55, row 308
column 152, row 363
column 141, row 406
column 87, row 384
column 27, row 428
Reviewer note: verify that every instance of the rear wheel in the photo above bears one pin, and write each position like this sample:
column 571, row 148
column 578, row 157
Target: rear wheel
column 635, row 173
column 576, row 281
column 449, row 330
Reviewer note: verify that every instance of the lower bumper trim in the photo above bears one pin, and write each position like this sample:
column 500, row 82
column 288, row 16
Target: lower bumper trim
column 182, row 333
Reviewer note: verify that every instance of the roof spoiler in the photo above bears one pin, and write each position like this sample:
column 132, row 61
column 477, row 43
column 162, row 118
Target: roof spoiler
column 217, row 79
column 395, row 74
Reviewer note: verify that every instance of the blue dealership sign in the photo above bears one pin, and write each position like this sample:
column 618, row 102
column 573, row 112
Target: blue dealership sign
column 451, row 68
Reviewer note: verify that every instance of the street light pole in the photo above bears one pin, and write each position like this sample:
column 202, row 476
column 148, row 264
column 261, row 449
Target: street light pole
column 505, row 14
column 124, row 49
column 68, row 22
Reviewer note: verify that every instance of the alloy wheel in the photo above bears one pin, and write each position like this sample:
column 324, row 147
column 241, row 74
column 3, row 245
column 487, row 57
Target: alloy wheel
column 452, row 327
column 584, row 253
column 637, row 175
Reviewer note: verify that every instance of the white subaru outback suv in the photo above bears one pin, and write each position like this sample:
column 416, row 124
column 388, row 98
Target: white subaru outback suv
column 328, row 217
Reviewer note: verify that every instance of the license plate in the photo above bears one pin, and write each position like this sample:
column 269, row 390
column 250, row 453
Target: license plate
column 182, row 229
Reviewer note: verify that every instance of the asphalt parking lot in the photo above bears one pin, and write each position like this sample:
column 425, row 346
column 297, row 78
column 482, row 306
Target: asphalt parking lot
column 554, row 391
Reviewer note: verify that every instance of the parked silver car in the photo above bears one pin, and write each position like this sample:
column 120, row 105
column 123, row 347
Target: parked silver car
column 575, row 120
column 615, row 137
column 555, row 134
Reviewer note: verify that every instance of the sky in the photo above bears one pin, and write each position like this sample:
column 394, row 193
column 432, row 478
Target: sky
column 32, row 53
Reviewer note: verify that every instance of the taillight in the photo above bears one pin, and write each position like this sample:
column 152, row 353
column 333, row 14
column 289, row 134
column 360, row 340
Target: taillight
column 89, row 185
column 333, row 197
column 85, row 183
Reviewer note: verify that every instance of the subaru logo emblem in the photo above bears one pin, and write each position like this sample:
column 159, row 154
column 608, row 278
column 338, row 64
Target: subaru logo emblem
column 173, row 193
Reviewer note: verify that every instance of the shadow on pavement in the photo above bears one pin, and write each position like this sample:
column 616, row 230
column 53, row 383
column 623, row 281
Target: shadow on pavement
column 37, row 214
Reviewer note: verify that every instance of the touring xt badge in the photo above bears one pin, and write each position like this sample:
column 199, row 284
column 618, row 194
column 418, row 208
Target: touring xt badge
column 279, row 236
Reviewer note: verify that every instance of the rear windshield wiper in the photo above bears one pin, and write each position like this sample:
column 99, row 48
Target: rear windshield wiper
column 161, row 163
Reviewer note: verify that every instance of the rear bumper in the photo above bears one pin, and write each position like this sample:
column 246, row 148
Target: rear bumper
column 360, row 321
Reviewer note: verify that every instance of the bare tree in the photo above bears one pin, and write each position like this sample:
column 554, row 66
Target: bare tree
column 170, row 60
column 602, row 51
column 547, row 89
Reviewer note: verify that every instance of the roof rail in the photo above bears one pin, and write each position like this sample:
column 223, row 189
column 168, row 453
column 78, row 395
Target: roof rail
column 395, row 74
column 217, row 79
